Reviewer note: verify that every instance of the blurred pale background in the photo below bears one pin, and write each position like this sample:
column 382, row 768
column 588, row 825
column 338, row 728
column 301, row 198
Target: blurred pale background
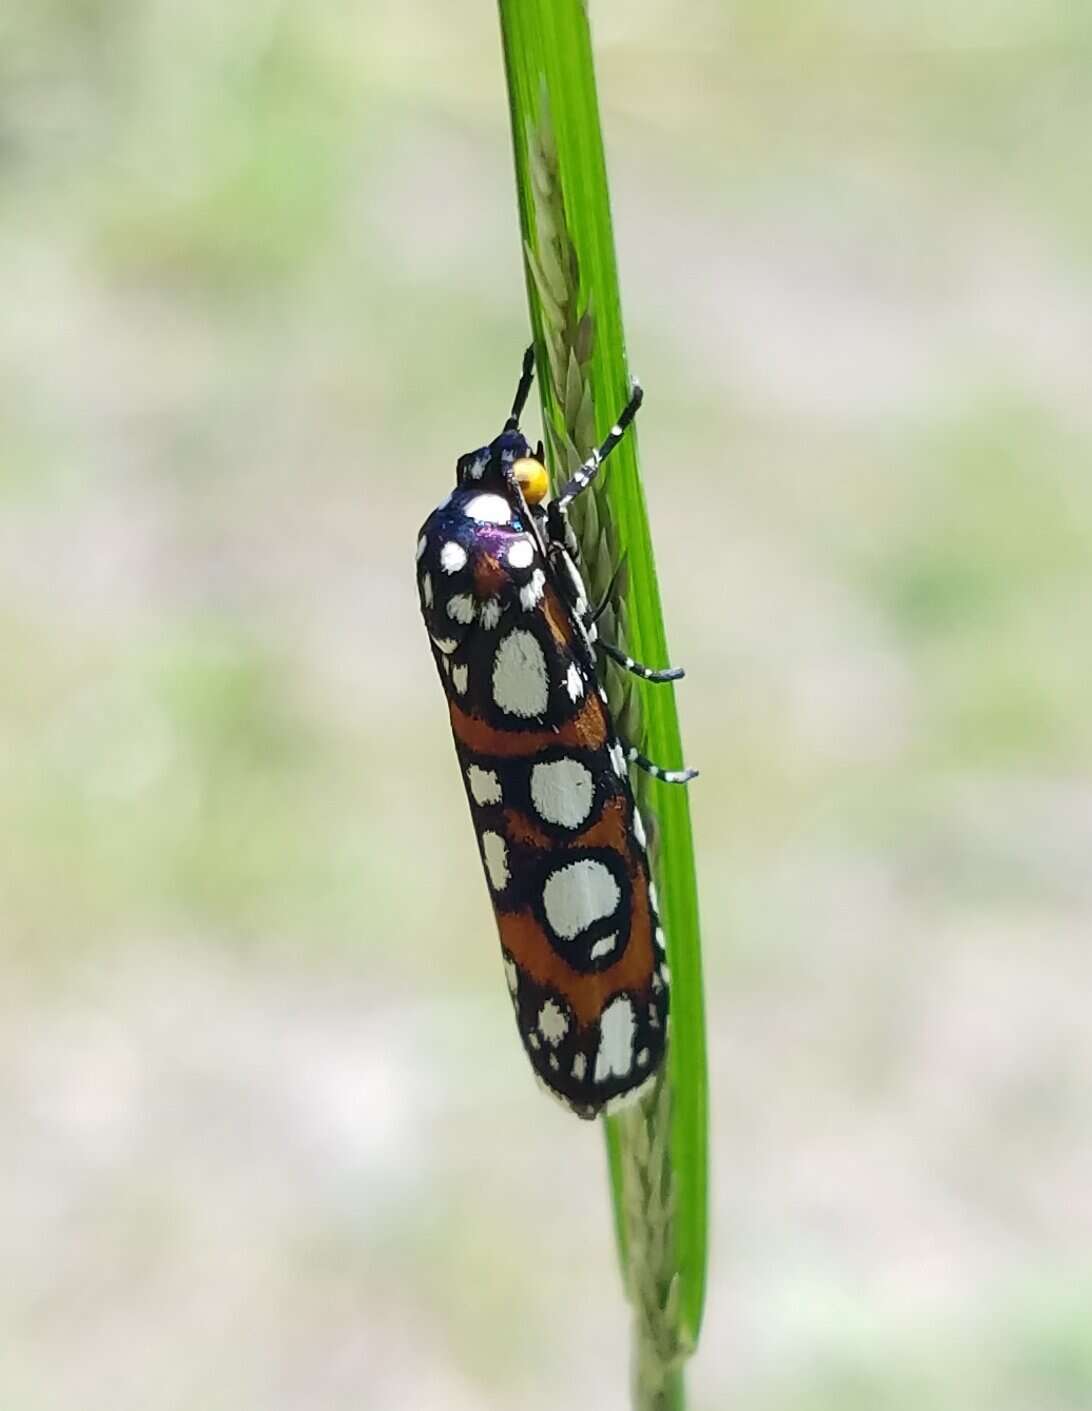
column 267, row 1137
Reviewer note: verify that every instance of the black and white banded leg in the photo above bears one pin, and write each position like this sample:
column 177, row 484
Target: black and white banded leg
column 666, row 776
column 646, row 673
column 583, row 477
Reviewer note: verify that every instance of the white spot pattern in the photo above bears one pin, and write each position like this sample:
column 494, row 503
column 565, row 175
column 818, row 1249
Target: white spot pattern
column 616, row 1028
column 459, row 678
column 562, row 791
column 521, row 554
column 426, row 589
column 604, row 946
column 617, row 759
column 452, row 557
column 485, row 786
column 461, row 608
column 530, row 595
column 511, row 974
column 573, row 683
column 579, row 894
column 489, row 509
column 580, row 1067
column 490, row 613
column 552, row 1023
column 639, row 828
column 422, row 545
column 495, row 852
column 520, row 683
column 445, row 644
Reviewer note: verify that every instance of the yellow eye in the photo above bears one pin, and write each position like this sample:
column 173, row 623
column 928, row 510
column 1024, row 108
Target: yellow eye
column 532, row 478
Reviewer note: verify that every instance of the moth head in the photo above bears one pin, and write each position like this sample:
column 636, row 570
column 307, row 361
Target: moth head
column 531, row 477
column 507, row 466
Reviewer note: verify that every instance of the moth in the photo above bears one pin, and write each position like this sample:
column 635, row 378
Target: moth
column 562, row 843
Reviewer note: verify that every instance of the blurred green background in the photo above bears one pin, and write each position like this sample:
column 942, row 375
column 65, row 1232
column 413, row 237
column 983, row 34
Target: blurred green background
column 268, row 1140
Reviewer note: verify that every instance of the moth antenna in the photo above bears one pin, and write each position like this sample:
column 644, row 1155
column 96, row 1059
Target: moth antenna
column 523, row 390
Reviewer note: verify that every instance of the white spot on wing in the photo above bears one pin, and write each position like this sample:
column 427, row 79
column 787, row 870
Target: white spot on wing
column 573, row 682
column 452, row 557
column 495, row 852
column 520, row 683
column 461, row 608
column 422, row 545
column 552, row 1023
column 489, row 509
column 639, row 828
column 485, row 787
column 521, row 554
column 617, row 759
column 604, row 946
column 530, row 595
column 445, row 644
column 511, row 974
column 562, row 791
column 459, row 676
column 490, row 613
column 580, row 1067
column 616, row 1027
column 579, row 894
column 426, row 589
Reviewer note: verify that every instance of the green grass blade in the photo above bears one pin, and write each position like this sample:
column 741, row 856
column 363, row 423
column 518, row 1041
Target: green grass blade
column 657, row 1151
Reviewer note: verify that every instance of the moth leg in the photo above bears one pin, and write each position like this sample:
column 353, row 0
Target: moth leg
column 559, row 531
column 583, row 477
column 646, row 673
column 666, row 776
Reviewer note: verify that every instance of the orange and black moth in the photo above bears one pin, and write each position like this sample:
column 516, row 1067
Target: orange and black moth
column 546, row 774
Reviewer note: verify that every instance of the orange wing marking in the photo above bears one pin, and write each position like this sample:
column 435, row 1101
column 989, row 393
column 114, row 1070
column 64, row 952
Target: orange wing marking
column 585, row 730
column 529, row 947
